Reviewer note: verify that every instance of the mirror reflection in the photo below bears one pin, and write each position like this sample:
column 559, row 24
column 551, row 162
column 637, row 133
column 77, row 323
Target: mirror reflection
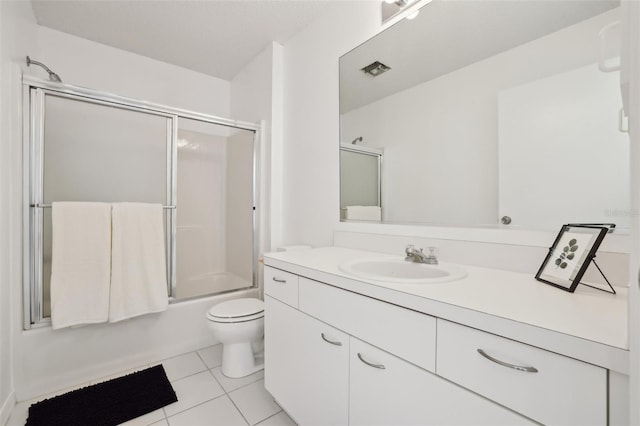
column 490, row 113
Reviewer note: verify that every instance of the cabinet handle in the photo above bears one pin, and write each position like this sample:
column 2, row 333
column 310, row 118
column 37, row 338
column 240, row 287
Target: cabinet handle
column 279, row 280
column 330, row 341
column 506, row 364
column 380, row 366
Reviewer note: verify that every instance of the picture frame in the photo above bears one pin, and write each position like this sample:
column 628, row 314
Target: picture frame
column 569, row 257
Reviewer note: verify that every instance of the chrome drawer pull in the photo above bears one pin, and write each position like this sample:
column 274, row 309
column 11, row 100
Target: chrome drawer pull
column 506, row 364
column 279, row 280
column 330, row 341
column 380, row 366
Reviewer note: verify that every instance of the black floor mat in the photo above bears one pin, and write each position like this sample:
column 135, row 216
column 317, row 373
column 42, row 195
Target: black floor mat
column 108, row 403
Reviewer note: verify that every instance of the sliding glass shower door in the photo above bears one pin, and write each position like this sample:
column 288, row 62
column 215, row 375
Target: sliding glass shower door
column 214, row 209
column 86, row 146
column 97, row 152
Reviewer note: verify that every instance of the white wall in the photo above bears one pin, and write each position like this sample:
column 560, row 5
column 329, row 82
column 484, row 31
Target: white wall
column 538, row 188
column 85, row 63
column 633, row 109
column 256, row 95
column 311, row 167
column 17, row 38
column 45, row 360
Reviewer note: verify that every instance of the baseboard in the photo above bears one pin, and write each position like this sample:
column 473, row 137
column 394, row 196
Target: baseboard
column 7, row 407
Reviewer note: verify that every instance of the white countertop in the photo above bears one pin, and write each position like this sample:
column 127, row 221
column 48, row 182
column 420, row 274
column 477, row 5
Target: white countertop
column 588, row 324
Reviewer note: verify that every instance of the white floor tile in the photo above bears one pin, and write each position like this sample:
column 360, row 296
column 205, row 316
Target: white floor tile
column 183, row 366
column 280, row 419
column 194, row 390
column 20, row 412
column 201, row 399
column 147, row 419
column 218, row 412
column 230, row 384
column 254, row 402
column 212, row 356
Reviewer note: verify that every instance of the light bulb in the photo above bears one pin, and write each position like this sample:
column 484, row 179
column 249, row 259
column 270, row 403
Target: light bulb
column 413, row 15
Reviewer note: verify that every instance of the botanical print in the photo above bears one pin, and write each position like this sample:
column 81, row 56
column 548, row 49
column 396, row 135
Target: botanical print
column 568, row 256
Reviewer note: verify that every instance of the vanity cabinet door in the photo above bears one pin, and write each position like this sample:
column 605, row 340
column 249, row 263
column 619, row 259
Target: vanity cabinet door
column 386, row 390
column 306, row 366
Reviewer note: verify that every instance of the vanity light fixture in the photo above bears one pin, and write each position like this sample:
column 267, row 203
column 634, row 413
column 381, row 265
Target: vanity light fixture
column 376, row 68
column 413, row 15
column 391, row 8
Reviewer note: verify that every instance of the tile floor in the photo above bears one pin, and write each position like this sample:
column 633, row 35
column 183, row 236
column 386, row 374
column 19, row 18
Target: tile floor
column 205, row 396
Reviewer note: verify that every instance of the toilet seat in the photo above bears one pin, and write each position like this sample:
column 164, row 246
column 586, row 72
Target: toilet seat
column 237, row 310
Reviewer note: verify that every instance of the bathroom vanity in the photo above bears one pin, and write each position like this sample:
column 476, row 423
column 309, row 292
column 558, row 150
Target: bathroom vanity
column 493, row 347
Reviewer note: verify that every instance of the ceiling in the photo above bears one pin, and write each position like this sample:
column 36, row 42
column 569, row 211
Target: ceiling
column 214, row 37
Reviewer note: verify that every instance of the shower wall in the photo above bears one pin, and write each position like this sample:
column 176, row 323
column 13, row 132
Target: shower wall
column 214, row 214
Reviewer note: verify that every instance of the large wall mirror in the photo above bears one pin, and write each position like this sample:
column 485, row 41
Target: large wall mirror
column 491, row 112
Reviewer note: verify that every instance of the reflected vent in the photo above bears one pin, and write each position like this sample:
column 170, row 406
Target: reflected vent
column 375, row 69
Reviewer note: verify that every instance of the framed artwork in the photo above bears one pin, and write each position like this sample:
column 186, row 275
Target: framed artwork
column 568, row 258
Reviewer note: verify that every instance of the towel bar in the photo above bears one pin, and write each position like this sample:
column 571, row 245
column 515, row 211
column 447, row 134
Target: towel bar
column 48, row 206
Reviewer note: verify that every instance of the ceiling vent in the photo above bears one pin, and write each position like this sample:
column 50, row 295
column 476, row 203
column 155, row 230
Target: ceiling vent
column 375, row 69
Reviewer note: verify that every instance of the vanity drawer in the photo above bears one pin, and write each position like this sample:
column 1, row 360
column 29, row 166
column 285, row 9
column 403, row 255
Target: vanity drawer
column 281, row 285
column 405, row 333
column 562, row 390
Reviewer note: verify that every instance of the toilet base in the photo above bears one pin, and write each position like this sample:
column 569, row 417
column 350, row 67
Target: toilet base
column 238, row 360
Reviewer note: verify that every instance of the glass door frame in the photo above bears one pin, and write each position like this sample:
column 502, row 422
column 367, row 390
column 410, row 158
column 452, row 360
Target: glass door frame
column 34, row 93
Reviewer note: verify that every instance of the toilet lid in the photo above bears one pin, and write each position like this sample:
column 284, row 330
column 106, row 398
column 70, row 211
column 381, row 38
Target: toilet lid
column 238, row 309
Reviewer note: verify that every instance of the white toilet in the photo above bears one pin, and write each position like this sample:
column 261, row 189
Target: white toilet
column 239, row 325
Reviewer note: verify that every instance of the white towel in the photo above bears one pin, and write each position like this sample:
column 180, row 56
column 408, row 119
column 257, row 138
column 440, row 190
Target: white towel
column 138, row 266
column 81, row 247
column 363, row 213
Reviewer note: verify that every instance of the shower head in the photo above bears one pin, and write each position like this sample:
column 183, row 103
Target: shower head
column 52, row 75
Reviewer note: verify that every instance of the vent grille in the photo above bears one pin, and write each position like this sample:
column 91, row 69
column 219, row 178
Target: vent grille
column 375, row 69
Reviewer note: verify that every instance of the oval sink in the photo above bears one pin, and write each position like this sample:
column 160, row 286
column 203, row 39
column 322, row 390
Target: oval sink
column 396, row 270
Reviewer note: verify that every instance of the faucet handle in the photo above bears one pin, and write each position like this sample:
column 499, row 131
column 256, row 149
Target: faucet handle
column 433, row 252
column 409, row 248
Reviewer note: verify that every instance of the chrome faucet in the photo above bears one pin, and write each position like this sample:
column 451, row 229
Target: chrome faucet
column 419, row 256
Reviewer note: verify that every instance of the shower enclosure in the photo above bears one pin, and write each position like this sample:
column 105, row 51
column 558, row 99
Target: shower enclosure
column 360, row 176
column 83, row 145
